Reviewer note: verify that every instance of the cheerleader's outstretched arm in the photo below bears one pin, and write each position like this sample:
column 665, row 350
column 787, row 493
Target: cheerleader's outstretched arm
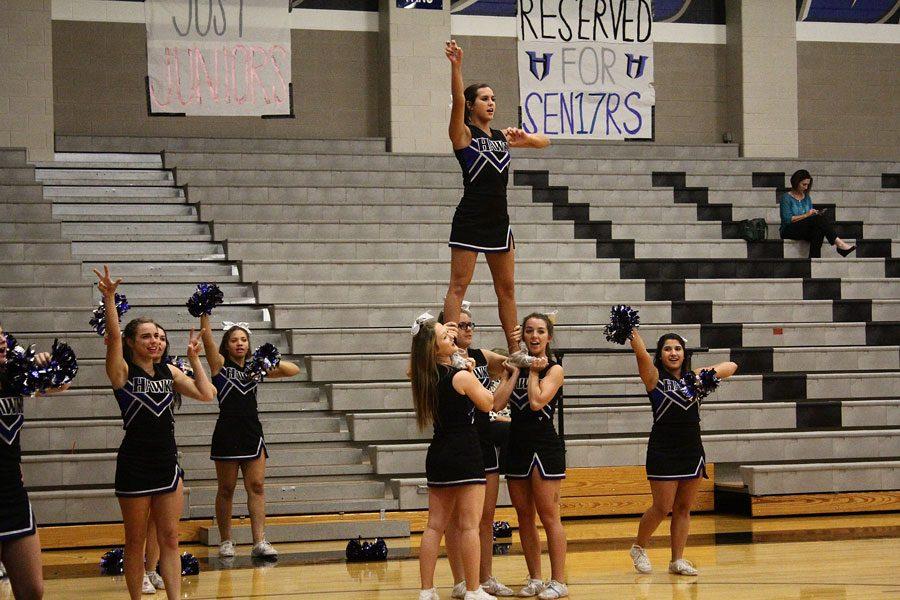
column 213, row 358
column 200, row 387
column 646, row 368
column 116, row 367
column 723, row 369
column 285, row 368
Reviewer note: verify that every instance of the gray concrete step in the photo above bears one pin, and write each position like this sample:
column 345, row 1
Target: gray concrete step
column 112, row 191
column 314, row 532
column 385, row 230
column 115, row 211
column 112, row 249
column 161, row 271
column 177, row 292
column 378, row 249
column 287, row 490
column 67, row 143
column 30, row 230
column 396, row 339
column 68, row 318
column 396, row 314
column 36, row 249
column 363, row 270
column 132, row 159
column 402, row 459
column 135, row 230
column 388, row 367
column 39, row 271
column 75, row 506
column 817, row 478
column 64, row 175
column 586, row 391
column 43, row 295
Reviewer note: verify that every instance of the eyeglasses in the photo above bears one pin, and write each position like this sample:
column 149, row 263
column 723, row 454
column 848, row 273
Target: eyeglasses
column 466, row 326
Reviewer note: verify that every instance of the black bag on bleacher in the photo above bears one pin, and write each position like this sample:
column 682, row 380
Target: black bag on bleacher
column 753, row 230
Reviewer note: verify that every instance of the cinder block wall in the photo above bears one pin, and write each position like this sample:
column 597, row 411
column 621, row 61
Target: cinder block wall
column 849, row 100
column 26, row 77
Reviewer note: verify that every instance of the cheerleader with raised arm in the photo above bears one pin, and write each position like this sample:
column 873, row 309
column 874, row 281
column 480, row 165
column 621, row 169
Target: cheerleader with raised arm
column 148, row 477
column 481, row 221
column 536, row 458
column 448, row 397
column 237, row 442
column 20, row 545
column 676, row 461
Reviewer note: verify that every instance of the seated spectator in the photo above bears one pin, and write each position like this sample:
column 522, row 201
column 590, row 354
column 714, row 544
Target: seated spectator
column 800, row 221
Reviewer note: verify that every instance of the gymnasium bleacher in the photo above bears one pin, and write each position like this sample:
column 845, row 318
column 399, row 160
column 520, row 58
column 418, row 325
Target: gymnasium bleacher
column 329, row 249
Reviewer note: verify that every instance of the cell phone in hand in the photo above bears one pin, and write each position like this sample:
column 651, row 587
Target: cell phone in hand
column 822, row 211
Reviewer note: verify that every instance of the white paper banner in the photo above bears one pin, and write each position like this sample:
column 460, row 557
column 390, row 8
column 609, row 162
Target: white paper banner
column 219, row 57
column 586, row 68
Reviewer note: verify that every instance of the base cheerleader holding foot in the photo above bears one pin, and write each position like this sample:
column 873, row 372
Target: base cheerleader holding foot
column 20, row 545
column 237, row 442
column 488, row 365
column 448, row 398
column 676, row 461
column 148, row 477
column 536, row 460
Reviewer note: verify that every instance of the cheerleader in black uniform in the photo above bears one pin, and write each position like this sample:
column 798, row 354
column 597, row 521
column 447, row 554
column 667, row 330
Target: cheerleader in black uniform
column 237, row 441
column 20, row 546
column 487, row 366
column 536, row 459
column 147, row 472
column 448, row 398
column 675, row 458
column 481, row 221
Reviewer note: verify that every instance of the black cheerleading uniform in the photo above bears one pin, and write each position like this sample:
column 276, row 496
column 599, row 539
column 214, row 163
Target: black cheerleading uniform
column 675, row 450
column 147, row 463
column 481, row 220
column 239, row 433
column 16, row 516
column 454, row 456
column 533, row 441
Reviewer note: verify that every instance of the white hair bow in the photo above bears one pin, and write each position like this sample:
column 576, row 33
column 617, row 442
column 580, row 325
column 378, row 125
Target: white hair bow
column 423, row 318
column 466, row 304
column 226, row 325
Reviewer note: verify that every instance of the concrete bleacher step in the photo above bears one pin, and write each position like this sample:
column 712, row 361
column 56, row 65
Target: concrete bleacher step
column 113, row 191
column 135, row 230
column 114, row 212
column 384, row 229
column 126, row 159
column 806, row 478
column 92, row 371
column 66, row 318
column 393, row 314
column 386, row 367
column 98, row 176
column 45, row 249
column 283, row 396
column 311, row 532
column 79, row 143
column 76, row 505
column 628, row 389
column 402, row 459
column 181, row 269
column 603, row 420
column 108, row 249
column 396, row 339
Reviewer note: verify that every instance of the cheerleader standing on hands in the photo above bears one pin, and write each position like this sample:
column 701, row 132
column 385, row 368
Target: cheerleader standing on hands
column 148, row 477
column 481, row 221
column 448, row 398
column 20, row 546
column 487, row 366
column 675, row 457
column 237, row 441
column 536, row 458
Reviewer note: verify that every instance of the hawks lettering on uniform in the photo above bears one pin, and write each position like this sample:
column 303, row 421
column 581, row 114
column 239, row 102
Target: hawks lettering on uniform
column 488, row 145
column 669, row 392
column 485, row 151
column 482, row 375
column 142, row 385
column 230, row 379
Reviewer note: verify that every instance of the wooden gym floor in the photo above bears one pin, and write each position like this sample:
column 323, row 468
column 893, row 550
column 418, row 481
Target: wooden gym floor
column 833, row 557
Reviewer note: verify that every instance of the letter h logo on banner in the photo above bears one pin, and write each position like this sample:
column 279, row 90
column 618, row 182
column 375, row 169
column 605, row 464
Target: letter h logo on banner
column 543, row 61
column 635, row 63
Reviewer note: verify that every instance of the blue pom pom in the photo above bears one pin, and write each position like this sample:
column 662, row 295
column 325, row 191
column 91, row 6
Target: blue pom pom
column 113, row 562
column 60, row 369
column 622, row 320
column 177, row 361
column 189, row 564
column 205, row 299
column 21, row 370
column 98, row 321
column 701, row 386
column 264, row 359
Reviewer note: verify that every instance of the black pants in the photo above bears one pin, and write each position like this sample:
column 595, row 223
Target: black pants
column 814, row 230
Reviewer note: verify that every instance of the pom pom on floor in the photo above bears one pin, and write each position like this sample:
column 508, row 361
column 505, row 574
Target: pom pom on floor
column 113, row 562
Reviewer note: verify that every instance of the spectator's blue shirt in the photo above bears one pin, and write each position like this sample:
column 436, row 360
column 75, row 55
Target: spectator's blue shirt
column 791, row 207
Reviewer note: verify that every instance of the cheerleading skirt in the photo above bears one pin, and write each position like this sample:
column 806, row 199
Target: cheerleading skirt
column 16, row 517
column 675, row 452
column 237, row 438
column 454, row 458
column 533, row 447
column 146, row 472
column 481, row 229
